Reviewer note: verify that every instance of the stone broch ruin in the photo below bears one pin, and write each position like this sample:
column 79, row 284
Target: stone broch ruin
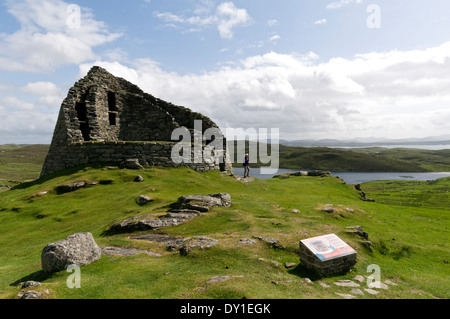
column 108, row 120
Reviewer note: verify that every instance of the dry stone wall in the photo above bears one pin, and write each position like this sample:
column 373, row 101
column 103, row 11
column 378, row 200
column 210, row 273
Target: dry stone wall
column 106, row 119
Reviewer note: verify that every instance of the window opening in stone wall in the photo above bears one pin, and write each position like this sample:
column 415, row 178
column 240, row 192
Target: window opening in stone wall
column 112, row 118
column 112, row 108
column 112, row 102
column 82, row 117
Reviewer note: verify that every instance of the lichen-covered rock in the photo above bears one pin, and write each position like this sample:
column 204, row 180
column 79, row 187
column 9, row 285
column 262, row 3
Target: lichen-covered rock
column 31, row 295
column 79, row 249
column 143, row 199
column 203, row 203
column 151, row 222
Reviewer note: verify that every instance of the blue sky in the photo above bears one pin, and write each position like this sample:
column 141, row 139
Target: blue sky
column 312, row 68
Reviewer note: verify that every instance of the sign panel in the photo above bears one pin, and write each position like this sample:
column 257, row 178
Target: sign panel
column 328, row 247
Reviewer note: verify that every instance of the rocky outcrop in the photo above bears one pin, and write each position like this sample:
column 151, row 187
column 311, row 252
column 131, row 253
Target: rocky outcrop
column 203, row 203
column 151, row 222
column 78, row 249
column 183, row 245
column 125, row 252
column 186, row 208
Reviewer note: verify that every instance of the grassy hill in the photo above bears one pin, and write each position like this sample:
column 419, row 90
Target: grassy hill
column 21, row 163
column 359, row 159
column 364, row 160
column 409, row 241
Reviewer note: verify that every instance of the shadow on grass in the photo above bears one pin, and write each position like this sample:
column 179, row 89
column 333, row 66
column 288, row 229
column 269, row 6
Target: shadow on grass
column 64, row 172
column 39, row 276
column 303, row 272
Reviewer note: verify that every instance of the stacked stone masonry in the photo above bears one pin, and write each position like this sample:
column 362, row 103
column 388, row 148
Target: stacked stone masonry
column 326, row 267
column 106, row 119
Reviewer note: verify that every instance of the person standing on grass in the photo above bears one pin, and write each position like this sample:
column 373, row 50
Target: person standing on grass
column 246, row 166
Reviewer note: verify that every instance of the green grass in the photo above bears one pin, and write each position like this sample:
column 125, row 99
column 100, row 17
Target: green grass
column 365, row 160
column 20, row 163
column 373, row 159
column 409, row 240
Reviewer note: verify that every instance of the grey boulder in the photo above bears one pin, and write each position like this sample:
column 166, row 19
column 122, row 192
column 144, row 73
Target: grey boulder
column 202, row 203
column 79, row 249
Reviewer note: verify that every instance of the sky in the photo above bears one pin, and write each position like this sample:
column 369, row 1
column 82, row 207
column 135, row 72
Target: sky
column 313, row 69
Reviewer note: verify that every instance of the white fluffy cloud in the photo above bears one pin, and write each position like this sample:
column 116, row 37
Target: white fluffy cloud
column 52, row 33
column 396, row 93
column 341, row 3
column 226, row 17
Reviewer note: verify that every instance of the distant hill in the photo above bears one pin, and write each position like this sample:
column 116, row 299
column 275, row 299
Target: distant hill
column 370, row 142
column 20, row 163
column 361, row 159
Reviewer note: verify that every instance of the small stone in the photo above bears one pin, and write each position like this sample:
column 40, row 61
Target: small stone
column 359, row 278
column 275, row 263
column 31, row 295
column 371, row 291
column 346, row 283
column 222, row 278
column 378, row 284
column 132, row 164
column 138, row 179
column 390, row 282
column 324, row 285
column 246, row 241
column 28, row 284
column 357, row 292
column 296, row 211
column 143, row 199
column 307, row 280
column 345, row 296
column 289, row 265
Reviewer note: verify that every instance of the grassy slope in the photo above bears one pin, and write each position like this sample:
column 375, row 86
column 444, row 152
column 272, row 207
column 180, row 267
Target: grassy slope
column 360, row 159
column 408, row 242
column 20, row 163
column 365, row 160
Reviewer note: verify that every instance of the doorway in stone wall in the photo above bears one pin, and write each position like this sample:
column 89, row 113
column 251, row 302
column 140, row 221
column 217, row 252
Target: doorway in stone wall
column 81, row 109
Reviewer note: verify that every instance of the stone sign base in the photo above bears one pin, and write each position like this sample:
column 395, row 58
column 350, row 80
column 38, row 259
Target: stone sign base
column 327, row 255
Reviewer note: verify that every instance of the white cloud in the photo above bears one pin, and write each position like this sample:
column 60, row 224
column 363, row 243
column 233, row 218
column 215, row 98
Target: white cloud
column 41, row 88
column 226, row 17
column 50, row 94
column 341, row 3
column 395, row 93
column 12, row 102
column 275, row 37
column 321, row 21
column 272, row 23
column 47, row 39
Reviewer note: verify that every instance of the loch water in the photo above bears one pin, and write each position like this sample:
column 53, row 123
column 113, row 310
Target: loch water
column 356, row 177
